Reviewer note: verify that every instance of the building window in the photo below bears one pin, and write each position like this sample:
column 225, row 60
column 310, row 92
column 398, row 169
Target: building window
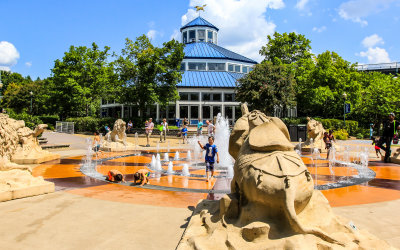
column 206, row 97
column 216, row 110
column 230, row 67
column 171, row 112
column 197, row 66
column 183, row 111
column 184, row 96
column 238, row 112
column 229, row 97
column 194, row 96
column 210, row 36
column 201, row 35
column 237, row 68
column 217, row 97
column 192, row 36
column 206, row 112
column 184, row 37
column 229, row 112
column 250, row 69
column 183, row 66
column 194, row 112
column 216, row 66
column 245, row 69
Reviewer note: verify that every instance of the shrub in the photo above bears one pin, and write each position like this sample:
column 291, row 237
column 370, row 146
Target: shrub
column 30, row 120
column 341, row 134
column 91, row 124
column 49, row 119
column 360, row 136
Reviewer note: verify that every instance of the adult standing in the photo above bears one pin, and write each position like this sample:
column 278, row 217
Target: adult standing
column 185, row 122
column 389, row 129
column 149, row 129
column 210, row 128
column 164, row 130
column 199, row 127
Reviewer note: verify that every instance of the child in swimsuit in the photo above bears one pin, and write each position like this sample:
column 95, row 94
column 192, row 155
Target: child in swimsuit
column 375, row 141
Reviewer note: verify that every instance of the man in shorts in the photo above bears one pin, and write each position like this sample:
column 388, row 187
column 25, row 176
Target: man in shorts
column 199, row 127
column 149, row 129
column 211, row 151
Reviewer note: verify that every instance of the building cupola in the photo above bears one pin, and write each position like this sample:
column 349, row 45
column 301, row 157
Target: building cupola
column 199, row 30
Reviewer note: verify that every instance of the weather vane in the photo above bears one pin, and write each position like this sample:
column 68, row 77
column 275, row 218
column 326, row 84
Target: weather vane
column 199, row 8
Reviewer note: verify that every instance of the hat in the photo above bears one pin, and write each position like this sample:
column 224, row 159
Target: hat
column 392, row 114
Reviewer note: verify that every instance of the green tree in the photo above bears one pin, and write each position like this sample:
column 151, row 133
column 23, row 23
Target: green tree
column 286, row 48
column 149, row 74
column 81, row 79
column 8, row 77
column 380, row 97
column 267, row 86
column 321, row 86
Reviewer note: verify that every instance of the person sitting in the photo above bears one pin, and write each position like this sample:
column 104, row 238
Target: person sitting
column 130, row 126
column 142, row 175
column 115, row 176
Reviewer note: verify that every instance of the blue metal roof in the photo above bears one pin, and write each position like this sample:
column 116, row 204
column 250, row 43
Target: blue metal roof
column 204, row 50
column 199, row 22
column 208, row 79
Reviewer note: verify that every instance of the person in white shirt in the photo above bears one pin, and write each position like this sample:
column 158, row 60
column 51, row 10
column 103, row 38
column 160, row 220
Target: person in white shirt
column 164, row 130
column 210, row 128
column 149, row 129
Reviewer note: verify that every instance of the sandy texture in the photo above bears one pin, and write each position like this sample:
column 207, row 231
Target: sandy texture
column 66, row 221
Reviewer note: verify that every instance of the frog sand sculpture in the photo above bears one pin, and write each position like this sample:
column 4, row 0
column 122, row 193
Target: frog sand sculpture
column 115, row 140
column 19, row 145
column 272, row 204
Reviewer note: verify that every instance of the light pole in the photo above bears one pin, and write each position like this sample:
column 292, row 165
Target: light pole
column 31, row 100
column 344, row 108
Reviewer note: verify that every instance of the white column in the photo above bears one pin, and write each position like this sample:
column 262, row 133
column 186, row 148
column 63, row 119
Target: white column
column 122, row 111
column 157, row 112
column 177, row 110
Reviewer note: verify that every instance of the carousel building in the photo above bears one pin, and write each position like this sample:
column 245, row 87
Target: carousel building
column 210, row 74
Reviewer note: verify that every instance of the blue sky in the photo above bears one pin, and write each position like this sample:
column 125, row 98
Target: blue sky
column 35, row 33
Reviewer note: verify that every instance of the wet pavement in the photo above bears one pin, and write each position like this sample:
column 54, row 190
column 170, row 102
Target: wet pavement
column 175, row 190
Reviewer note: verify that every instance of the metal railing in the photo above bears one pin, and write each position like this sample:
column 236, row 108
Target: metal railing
column 379, row 66
column 65, row 127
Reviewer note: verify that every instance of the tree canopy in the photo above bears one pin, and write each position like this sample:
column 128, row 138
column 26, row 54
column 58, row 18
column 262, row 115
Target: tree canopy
column 80, row 79
column 149, row 74
column 266, row 87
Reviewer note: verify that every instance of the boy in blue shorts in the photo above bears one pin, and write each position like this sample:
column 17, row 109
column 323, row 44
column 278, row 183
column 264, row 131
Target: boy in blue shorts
column 184, row 133
column 211, row 151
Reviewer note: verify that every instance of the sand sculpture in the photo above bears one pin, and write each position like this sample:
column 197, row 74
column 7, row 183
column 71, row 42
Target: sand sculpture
column 19, row 145
column 315, row 131
column 115, row 140
column 272, row 204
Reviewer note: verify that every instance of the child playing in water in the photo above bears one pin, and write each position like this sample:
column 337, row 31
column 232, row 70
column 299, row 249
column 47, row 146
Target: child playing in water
column 375, row 141
column 96, row 143
column 115, row 176
column 142, row 176
column 211, row 151
column 184, row 134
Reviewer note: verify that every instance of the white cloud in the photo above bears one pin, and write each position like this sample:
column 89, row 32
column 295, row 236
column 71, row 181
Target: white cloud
column 28, row 64
column 8, row 54
column 376, row 55
column 301, row 4
column 151, row 34
column 242, row 23
column 358, row 10
column 371, row 41
column 320, row 29
column 176, row 35
column 5, row 68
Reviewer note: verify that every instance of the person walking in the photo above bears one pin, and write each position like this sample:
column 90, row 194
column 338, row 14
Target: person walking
column 149, row 125
column 164, row 125
column 199, row 127
column 389, row 130
column 210, row 129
